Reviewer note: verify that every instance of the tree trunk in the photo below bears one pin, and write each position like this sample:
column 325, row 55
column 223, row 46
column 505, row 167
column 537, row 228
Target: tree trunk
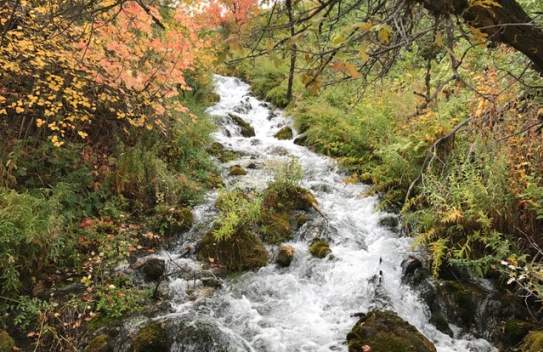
column 507, row 23
column 292, row 51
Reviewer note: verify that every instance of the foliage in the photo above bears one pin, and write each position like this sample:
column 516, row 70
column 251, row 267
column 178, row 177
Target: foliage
column 237, row 211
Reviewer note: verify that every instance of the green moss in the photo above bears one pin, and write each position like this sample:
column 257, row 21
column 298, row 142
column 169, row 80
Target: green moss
column 245, row 128
column 99, row 344
column 151, row 338
column 384, row 331
column 173, row 221
column 237, row 170
column 241, row 251
column 288, row 198
column 6, row 342
column 284, row 133
column 515, row 331
column 533, row 342
column 220, row 152
column 275, row 227
column 319, row 248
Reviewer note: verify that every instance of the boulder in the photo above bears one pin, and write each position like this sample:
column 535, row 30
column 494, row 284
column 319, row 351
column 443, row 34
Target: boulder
column 391, row 222
column 7, row 344
column 211, row 281
column 284, row 133
column 301, row 139
column 153, row 269
column 241, row 251
column 237, row 170
column 246, row 129
column 319, row 248
column 151, row 338
column 285, row 255
column 384, row 331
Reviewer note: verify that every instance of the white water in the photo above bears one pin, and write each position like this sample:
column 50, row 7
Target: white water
column 308, row 306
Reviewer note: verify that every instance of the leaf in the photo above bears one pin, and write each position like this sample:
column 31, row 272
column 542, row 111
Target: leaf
column 384, row 34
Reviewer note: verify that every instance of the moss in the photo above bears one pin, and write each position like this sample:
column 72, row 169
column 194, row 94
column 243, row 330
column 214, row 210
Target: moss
column 515, row 331
column 462, row 297
column 99, row 344
column 284, row 133
column 285, row 255
column 384, row 331
column 533, row 342
column 319, row 248
column 220, row 152
column 282, row 212
column 242, row 251
column 6, row 342
column 439, row 321
column 173, row 221
column 246, row 129
column 237, row 170
column 151, row 338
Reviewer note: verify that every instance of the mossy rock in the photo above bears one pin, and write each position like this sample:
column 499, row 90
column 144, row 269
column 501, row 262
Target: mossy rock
column 6, row 342
column 284, row 133
column 461, row 301
column 151, row 338
column 241, row 251
column 533, row 342
column 515, row 330
column 220, row 152
column 285, row 255
column 237, row 170
column 99, row 343
column 174, row 221
column 288, row 199
column 384, row 331
column 246, row 129
column 319, row 248
column 275, row 227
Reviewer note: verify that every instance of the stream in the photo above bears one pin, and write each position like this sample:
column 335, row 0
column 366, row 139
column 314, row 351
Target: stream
column 307, row 306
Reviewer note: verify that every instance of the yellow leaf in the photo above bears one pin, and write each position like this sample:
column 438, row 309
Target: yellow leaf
column 384, row 34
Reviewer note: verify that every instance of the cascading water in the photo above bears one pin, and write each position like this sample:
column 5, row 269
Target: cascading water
column 307, row 306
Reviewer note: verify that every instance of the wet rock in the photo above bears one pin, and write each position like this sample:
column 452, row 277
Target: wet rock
column 271, row 115
column 319, row 248
column 200, row 293
column 317, row 227
column 246, row 129
column 278, row 151
column 301, row 139
column 153, row 269
column 284, row 133
column 252, row 166
column 7, row 344
column 211, row 281
column 285, row 255
column 282, row 212
column 99, row 343
column 244, row 106
column 391, row 222
column 241, row 251
column 533, row 342
column 151, row 338
column 515, row 331
column 384, row 331
column 409, row 267
column 220, row 152
column 237, row 170
column 203, row 335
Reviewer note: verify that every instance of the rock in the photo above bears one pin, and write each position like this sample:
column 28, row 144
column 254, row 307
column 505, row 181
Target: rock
column 246, row 129
column 409, row 266
column 241, row 251
column 278, row 151
column 220, row 152
column 151, row 338
column 244, row 107
column 515, row 331
column 7, row 344
column 319, row 248
column 211, row 281
column 391, row 222
column 533, row 342
column 206, row 336
column 283, row 212
column 252, row 166
column 301, row 139
column 284, row 133
column 384, row 331
column 99, row 343
column 153, row 269
column 237, row 170
column 285, row 255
